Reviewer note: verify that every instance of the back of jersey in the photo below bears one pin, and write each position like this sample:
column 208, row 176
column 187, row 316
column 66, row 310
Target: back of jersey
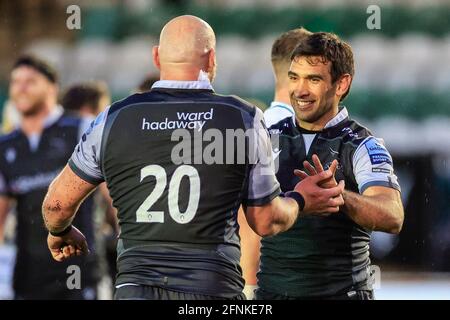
column 158, row 168
column 178, row 165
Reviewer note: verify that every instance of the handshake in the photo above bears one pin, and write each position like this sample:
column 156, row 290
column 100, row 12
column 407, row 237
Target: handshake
column 321, row 193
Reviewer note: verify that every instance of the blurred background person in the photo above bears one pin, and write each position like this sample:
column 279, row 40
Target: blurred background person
column 31, row 156
column 146, row 83
column 86, row 99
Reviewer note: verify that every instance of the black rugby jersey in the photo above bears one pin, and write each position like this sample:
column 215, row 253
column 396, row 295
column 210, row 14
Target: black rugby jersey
column 27, row 167
column 322, row 256
column 177, row 180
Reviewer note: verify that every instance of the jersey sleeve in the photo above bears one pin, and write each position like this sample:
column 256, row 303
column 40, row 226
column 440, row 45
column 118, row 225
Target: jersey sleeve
column 262, row 184
column 373, row 166
column 85, row 123
column 85, row 160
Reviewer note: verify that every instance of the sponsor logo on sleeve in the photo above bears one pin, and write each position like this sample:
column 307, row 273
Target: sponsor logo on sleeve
column 377, row 152
column 381, row 170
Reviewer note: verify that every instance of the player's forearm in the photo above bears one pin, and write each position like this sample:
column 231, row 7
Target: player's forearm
column 56, row 216
column 274, row 217
column 63, row 199
column 378, row 213
column 57, row 213
column 284, row 214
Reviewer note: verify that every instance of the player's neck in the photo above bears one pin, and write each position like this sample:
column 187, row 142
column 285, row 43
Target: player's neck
column 319, row 124
column 34, row 124
column 181, row 73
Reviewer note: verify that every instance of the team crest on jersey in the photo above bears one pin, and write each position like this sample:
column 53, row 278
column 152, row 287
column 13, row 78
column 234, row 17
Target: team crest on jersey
column 274, row 131
column 350, row 132
column 10, row 155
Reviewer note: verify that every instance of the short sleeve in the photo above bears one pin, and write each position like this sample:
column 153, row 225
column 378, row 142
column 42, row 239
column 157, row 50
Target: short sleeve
column 85, row 160
column 373, row 166
column 262, row 184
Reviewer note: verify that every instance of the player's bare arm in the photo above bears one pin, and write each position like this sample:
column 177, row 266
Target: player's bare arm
column 378, row 208
column 61, row 203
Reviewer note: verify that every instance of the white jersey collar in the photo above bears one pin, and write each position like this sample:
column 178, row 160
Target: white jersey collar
column 341, row 116
column 53, row 116
column 202, row 83
column 282, row 104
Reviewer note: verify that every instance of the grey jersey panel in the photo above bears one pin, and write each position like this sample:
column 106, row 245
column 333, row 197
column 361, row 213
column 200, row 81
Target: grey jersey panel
column 85, row 160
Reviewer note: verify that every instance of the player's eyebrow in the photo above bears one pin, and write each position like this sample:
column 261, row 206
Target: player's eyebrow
column 314, row 75
column 309, row 76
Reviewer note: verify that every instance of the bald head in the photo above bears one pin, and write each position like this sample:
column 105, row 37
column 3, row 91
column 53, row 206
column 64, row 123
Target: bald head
column 185, row 45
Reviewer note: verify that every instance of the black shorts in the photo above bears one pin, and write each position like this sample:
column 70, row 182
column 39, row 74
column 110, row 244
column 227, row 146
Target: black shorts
column 143, row 292
column 261, row 294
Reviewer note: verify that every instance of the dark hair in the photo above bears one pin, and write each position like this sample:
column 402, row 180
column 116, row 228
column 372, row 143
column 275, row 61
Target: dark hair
column 83, row 94
column 146, row 83
column 39, row 65
column 332, row 49
column 286, row 43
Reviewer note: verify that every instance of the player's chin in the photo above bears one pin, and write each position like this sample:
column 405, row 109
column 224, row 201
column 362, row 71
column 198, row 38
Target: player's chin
column 307, row 112
column 306, row 116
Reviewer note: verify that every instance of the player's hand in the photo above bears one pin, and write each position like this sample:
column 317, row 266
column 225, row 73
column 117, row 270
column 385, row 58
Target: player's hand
column 321, row 200
column 318, row 168
column 70, row 245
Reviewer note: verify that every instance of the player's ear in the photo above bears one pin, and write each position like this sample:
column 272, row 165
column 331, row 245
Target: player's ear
column 211, row 59
column 343, row 84
column 155, row 54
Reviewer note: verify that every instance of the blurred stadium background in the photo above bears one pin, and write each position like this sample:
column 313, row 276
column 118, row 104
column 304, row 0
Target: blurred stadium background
column 401, row 91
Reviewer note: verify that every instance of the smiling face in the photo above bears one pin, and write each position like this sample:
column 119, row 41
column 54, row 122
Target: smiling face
column 29, row 90
column 312, row 93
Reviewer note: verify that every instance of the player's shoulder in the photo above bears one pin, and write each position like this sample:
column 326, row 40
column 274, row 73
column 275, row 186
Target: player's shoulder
column 236, row 102
column 130, row 100
column 277, row 114
column 363, row 141
column 352, row 132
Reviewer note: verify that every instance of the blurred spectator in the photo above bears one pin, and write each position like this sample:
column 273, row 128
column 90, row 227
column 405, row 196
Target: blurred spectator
column 87, row 99
column 147, row 83
column 31, row 156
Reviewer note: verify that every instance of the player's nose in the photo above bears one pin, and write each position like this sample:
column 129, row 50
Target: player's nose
column 301, row 90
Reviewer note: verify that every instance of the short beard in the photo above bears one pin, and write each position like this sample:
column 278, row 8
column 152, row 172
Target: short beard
column 322, row 110
column 34, row 110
